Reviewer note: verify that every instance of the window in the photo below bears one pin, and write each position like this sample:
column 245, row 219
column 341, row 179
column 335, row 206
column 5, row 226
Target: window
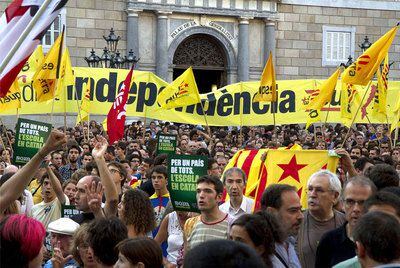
column 338, row 45
column 54, row 31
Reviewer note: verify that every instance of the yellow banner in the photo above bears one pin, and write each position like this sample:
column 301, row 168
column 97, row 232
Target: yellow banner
column 228, row 106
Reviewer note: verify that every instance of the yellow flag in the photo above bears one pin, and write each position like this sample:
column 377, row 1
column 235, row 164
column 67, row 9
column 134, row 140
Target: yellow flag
column 349, row 101
column 181, row 92
column 35, row 60
column 379, row 107
column 104, row 124
column 45, row 78
column 363, row 69
column 66, row 77
column 267, row 89
column 13, row 98
column 396, row 118
column 324, row 92
column 320, row 97
column 85, row 105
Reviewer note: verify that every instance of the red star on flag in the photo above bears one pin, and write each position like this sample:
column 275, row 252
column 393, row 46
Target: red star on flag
column 291, row 169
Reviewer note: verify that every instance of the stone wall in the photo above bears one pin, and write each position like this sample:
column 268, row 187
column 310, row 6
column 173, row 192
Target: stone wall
column 299, row 37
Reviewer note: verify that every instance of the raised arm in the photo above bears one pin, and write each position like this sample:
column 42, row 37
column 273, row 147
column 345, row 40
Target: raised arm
column 110, row 190
column 55, row 183
column 14, row 187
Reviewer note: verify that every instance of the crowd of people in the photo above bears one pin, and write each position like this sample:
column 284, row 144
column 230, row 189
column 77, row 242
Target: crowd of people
column 123, row 217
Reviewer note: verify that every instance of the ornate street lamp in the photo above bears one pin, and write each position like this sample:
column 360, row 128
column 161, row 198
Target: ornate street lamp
column 130, row 59
column 111, row 58
column 112, row 41
column 93, row 60
column 365, row 45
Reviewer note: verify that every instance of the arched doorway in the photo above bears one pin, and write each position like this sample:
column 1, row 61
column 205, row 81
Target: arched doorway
column 207, row 57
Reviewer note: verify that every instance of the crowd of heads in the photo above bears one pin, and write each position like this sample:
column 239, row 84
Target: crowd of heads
column 124, row 214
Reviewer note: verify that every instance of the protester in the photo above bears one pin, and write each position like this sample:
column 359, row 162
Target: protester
column 377, row 236
column 171, row 230
column 69, row 189
column 136, row 212
column 384, row 175
column 67, row 170
column 355, row 192
column 89, row 189
column 61, row 232
column 223, row 253
column 104, row 236
column 234, row 180
column 323, row 190
column 283, row 201
column 139, row 252
column 260, row 231
column 21, row 242
column 212, row 223
column 80, row 248
column 159, row 200
column 49, row 209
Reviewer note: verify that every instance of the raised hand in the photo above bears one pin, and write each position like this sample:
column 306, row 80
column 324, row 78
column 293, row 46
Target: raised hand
column 58, row 259
column 55, row 140
column 94, row 196
column 100, row 147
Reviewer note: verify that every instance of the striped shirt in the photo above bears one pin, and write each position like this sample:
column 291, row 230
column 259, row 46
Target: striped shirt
column 204, row 231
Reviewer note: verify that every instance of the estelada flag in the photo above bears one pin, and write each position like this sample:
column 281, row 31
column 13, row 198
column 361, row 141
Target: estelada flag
column 293, row 167
column 267, row 89
column 13, row 98
column 363, row 69
column 116, row 115
column 13, row 23
column 45, row 78
column 181, row 92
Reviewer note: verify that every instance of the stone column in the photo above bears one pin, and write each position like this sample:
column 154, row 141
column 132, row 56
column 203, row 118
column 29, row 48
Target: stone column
column 243, row 50
column 132, row 32
column 162, row 45
column 269, row 39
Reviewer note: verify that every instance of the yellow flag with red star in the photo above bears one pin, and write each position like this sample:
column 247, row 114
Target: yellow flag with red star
column 293, row 167
column 181, row 92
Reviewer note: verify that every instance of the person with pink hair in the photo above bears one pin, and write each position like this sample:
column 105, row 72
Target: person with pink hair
column 21, row 242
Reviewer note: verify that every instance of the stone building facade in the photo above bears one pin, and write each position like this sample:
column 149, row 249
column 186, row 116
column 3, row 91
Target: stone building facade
column 229, row 40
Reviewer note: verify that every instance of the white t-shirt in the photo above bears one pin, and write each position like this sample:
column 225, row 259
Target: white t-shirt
column 245, row 208
column 48, row 212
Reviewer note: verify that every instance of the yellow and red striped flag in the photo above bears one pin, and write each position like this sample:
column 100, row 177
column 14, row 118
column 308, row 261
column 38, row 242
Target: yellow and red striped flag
column 293, row 167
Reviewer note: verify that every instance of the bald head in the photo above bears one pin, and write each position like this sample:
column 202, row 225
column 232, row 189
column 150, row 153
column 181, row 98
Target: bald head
column 81, row 200
column 10, row 169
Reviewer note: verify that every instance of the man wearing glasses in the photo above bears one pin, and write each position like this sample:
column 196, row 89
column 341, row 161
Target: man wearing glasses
column 356, row 191
column 323, row 191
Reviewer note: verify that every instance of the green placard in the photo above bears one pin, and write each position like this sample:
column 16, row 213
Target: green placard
column 183, row 172
column 67, row 211
column 30, row 137
column 166, row 144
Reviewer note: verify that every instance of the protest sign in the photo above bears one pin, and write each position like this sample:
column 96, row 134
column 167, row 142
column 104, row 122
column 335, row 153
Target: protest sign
column 67, row 211
column 29, row 138
column 183, row 172
column 166, row 144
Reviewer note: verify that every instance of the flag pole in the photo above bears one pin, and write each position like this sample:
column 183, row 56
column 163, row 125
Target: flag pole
column 205, row 117
column 144, row 122
column 388, row 126
column 355, row 115
column 79, row 112
column 396, row 134
column 24, row 34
